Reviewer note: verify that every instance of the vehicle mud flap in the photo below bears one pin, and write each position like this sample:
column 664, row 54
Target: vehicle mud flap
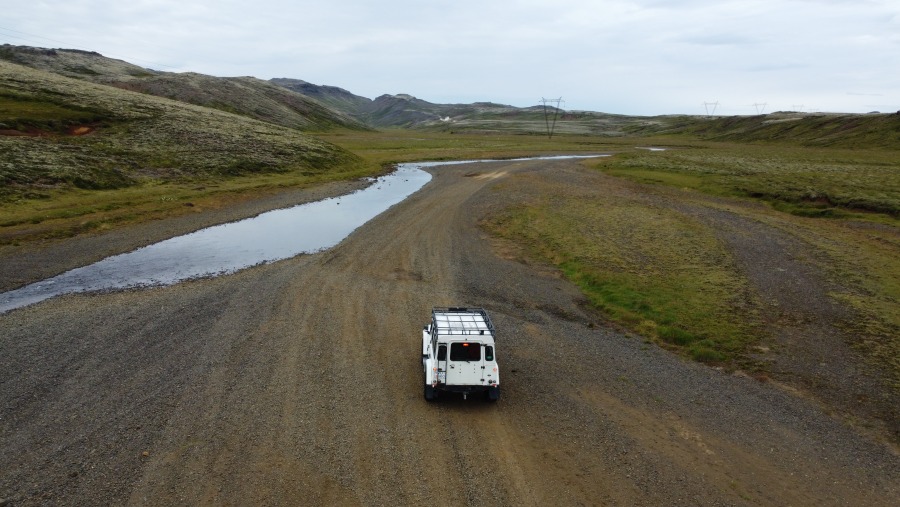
column 492, row 394
column 430, row 393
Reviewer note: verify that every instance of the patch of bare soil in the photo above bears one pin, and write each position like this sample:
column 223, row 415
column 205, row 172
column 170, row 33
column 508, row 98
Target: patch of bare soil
column 80, row 130
column 300, row 383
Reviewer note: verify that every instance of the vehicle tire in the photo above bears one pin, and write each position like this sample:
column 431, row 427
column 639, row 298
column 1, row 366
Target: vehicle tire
column 492, row 394
column 430, row 393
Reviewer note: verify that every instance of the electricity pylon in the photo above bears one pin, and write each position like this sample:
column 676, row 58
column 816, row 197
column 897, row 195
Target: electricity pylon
column 551, row 125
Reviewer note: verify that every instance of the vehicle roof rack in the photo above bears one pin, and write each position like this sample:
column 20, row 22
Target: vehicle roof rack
column 461, row 320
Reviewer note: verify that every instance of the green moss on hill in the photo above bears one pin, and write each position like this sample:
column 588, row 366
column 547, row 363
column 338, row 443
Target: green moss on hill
column 133, row 137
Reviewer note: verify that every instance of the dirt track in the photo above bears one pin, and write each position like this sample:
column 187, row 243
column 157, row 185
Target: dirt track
column 299, row 383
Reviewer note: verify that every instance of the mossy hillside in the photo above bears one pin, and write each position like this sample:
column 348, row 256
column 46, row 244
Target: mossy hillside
column 246, row 96
column 848, row 131
column 21, row 112
column 138, row 136
column 135, row 141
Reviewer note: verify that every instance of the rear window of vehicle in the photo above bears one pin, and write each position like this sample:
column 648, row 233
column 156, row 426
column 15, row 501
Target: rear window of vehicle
column 465, row 351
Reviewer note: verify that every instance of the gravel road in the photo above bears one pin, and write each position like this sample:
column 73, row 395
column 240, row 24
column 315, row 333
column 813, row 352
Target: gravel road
column 299, row 383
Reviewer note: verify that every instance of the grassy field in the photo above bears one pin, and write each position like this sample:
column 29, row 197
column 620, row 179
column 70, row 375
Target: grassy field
column 662, row 274
column 820, row 182
column 843, row 203
column 656, row 272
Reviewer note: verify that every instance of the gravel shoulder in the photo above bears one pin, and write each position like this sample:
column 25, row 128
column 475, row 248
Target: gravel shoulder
column 299, row 382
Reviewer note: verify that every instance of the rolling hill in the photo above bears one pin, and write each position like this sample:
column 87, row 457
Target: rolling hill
column 247, row 96
column 60, row 131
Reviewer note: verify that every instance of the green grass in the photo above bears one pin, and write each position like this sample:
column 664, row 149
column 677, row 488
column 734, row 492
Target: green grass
column 658, row 273
column 815, row 182
column 843, row 203
column 663, row 275
column 19, row 111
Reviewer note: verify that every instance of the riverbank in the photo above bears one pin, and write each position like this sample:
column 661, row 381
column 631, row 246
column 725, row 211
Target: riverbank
column 39, row 260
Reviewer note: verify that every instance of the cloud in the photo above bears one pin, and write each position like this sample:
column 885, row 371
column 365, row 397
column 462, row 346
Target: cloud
column 628, row 56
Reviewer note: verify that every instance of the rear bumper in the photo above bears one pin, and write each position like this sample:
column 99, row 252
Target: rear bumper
column 465, row 389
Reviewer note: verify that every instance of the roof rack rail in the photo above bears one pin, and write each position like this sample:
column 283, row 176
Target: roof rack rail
column 461, row 320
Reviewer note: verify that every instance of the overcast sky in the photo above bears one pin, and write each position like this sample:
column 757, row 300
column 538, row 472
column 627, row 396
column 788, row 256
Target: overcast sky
column 620, row 56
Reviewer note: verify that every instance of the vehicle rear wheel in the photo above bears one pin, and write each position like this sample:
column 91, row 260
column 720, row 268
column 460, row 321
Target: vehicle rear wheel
column 492, row 394
column 430, row 393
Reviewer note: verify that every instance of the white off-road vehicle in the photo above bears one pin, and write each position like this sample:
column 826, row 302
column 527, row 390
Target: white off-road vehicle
column 458, row 353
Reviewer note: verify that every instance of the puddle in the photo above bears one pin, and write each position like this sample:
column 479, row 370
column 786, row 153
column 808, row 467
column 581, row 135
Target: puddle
column 223, row 249
column 650, row 148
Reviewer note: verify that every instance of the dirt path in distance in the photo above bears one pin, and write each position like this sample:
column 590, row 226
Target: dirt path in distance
column 299, row 383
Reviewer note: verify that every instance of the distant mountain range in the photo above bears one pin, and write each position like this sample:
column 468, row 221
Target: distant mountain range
column 288, row 102
column 304, row 106
column 404, row 110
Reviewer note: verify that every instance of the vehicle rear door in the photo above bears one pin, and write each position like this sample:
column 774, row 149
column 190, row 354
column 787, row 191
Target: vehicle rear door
column 466, row 364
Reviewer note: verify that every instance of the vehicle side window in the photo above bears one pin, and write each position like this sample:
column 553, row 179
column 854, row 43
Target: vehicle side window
column 465, row 351
column 442, row 353
column 488, row 353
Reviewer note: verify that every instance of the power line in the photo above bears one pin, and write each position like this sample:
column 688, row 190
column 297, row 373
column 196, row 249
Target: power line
column 73, row 46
